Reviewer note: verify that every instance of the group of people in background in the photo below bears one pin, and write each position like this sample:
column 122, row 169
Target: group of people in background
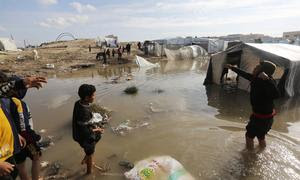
column 109, row 53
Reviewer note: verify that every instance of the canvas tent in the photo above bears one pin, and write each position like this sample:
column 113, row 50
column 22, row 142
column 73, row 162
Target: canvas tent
column 108, row 41
column 7, row 45
column 185, row 53
column 247, row 56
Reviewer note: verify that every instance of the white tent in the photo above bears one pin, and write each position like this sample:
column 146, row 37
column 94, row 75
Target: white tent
column 7, row 45
column 187, row 52
column 247, row 56
column 109, row 41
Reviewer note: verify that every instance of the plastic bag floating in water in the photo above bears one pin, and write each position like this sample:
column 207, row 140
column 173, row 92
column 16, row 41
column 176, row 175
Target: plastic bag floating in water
column 158, row 168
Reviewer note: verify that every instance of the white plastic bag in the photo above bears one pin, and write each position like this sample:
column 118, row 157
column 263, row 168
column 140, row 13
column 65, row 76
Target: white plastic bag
column 158, row 168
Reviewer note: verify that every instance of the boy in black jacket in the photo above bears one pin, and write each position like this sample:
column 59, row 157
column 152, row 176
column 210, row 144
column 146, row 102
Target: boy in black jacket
column 262, row 93
column 86, row 131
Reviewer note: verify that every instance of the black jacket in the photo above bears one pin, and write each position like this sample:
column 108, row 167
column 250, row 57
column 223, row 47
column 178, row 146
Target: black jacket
column 262, row 92
column 81, row 114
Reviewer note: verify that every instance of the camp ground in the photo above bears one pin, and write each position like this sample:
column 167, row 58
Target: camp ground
column 247, row 55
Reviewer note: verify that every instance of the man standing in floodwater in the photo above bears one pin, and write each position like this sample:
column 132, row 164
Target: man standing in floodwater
column 262, row 93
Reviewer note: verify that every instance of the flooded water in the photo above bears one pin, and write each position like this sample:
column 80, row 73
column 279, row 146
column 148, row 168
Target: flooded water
column 202, row 127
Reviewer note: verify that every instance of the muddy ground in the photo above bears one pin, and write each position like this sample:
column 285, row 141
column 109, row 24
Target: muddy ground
column 66, row 56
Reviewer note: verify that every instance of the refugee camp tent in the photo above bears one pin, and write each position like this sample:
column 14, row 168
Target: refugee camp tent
column 211, row 45
column 247, row 56
column 108, row 41
column 7, row 44
column 186, row 52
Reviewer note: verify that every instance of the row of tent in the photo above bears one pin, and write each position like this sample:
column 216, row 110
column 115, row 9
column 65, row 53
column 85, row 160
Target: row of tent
column 158, row 47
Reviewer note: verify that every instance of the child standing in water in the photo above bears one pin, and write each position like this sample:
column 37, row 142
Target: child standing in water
column 86, row 130
column 262, row 93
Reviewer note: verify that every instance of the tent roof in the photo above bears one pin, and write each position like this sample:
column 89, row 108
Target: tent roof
column 287, row 51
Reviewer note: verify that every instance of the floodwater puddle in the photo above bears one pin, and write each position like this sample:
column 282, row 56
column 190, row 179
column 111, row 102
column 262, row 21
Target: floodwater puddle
column 201, row 127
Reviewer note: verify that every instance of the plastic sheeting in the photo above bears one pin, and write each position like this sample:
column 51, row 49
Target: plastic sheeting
column 285, row 56
column 187, row 52
column 160, row 167
column 142, row 62
column 7, row 45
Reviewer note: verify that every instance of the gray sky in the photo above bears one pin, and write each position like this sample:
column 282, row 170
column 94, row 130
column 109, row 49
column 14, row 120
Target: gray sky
column 39, row 21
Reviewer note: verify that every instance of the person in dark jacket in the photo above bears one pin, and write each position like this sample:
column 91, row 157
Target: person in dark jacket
column 113, row 53
column 262, row 93
column 85, row 131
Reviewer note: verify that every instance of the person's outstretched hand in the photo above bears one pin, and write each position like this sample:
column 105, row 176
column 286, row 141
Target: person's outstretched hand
column 5, row 168
column 34, row 81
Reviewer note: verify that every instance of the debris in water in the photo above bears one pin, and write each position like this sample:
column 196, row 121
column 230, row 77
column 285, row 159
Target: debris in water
column 106, row 167
column 159, row 167
column 54, row 169
column 42, row 131
column 44, row 164
column 45, row 142
column 125, row 127
column 131, row 90
column 158, row 91
column 126, row 164
column 155, row 110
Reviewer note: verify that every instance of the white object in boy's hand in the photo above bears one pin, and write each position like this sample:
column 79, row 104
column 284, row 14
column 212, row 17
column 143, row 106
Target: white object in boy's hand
column 97, row 118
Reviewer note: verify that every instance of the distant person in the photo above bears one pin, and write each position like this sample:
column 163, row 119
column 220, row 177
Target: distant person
column 104, row 57
column 113, row 52
column 85, row 130
column 146, row 52
column 123, row 49
column 128, row 47
column 90, row 48
column 119, row 54
column 263, row 91
column 24, row 125
column 139, row 45
column 108, row 53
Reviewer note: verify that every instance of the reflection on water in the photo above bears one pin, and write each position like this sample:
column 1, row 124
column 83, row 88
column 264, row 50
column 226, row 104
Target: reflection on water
column 202, row 127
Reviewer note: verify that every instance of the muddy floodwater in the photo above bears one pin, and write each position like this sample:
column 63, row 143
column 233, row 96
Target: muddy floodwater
column 172, row 114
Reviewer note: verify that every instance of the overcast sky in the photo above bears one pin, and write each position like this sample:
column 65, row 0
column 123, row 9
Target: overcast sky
column 38, row 21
